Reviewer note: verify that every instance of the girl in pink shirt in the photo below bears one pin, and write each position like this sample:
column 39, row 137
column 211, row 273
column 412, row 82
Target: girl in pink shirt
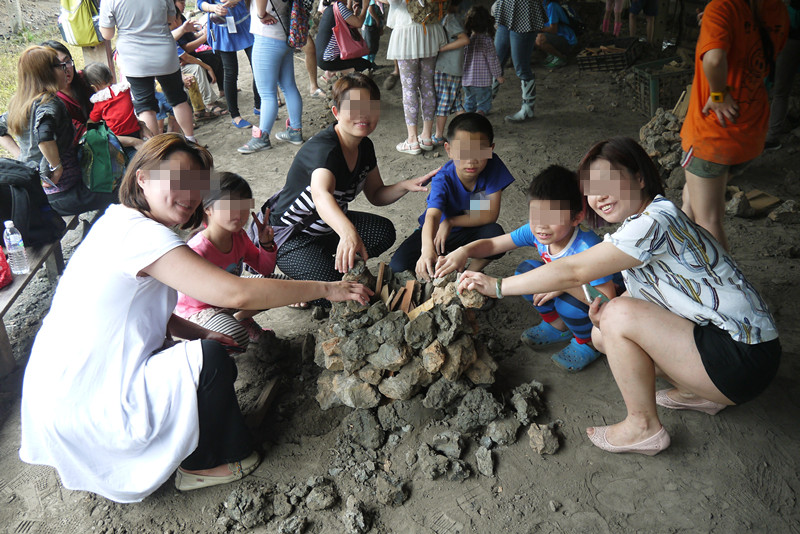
column 224, row 243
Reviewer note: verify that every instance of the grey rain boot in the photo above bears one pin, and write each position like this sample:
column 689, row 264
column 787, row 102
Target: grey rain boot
column 495, row 88
column 528, row 101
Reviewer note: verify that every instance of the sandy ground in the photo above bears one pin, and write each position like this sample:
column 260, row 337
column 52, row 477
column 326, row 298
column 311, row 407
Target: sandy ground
column 734, row 472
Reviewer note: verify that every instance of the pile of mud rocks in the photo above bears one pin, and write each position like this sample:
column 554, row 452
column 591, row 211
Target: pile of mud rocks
column 416, row 368
column 661, row 139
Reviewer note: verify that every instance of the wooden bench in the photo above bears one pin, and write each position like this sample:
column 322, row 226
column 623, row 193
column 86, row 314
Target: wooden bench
column 52, row 258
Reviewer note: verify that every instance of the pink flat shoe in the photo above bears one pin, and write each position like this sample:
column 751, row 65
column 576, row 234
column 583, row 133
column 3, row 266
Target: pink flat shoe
column 651, row 446
column 707, row 406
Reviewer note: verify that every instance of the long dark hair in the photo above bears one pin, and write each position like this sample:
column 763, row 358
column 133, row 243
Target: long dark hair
column 479, row 20
column 79, row 87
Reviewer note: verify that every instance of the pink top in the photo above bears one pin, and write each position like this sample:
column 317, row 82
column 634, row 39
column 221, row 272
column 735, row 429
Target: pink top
column 242, row 251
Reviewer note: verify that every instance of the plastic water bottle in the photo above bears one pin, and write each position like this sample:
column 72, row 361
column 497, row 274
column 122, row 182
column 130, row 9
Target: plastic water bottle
column 15, row 248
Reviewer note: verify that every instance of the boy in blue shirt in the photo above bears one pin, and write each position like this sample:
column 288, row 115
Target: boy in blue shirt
column 556, row 211
column 464, row 200
column 557, row 37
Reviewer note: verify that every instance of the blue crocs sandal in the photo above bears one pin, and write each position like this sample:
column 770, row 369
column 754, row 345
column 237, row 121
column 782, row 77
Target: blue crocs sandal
column 575, row 356
column 544, row 334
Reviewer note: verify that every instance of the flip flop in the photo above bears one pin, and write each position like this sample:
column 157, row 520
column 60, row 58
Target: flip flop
column 707, row 406
column 575, row 356
column 650, row 446
column 217, row 111
column 204, row 115
column 319, row 93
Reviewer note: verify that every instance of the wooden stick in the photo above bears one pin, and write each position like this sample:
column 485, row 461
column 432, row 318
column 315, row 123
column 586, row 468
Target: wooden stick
column 379, row 283
column 425, row 306
column 386, row 297
column 396, row 298
column 407, row 296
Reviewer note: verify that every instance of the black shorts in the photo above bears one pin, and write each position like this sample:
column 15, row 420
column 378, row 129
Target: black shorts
column 650, row 7
column 740, row 371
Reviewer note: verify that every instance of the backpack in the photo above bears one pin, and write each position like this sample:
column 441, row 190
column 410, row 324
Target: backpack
column 102, row 158
column 79, row 22
column 425, row 11
column 23, row 201
column 574, row 20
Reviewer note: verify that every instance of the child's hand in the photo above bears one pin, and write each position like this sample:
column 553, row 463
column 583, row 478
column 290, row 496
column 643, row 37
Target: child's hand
column 485, row 285
column 541, row 298
column 442, row 233
column 187, row 81
column 266, row 234
column 419, row 183
column 455, row 261
column 501, row 79
column 426, row 265
column 596, row 311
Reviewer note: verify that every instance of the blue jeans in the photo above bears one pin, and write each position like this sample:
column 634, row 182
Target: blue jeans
column 273, row 65
column 519, row 46
column 477, row 99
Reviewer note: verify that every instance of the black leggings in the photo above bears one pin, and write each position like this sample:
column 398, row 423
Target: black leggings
column 311, row 257
column 224, row 438
column 231, row 67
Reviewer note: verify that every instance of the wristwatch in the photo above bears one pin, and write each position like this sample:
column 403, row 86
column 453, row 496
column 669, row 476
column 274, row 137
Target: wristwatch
column 718, row 98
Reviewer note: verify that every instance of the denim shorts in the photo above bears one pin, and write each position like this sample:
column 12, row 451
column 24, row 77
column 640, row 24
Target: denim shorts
column 708, row 169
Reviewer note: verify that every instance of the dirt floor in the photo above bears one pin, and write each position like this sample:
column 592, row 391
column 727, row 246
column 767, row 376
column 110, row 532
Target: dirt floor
column 734, row 472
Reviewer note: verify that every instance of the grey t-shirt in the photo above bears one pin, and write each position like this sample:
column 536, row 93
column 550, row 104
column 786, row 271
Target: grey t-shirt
column 452, row 61
column 145, row 44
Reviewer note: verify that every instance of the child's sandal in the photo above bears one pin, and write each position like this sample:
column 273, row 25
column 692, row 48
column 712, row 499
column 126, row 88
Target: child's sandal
column 575, row 356
column 425, row 144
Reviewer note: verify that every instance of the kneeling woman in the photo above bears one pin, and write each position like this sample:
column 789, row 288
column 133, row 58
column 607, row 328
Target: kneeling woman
column 121, row 405
column 682, row 286
column 318, row 237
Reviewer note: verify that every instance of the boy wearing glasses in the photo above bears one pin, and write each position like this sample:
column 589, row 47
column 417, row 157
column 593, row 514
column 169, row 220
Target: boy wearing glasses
column 464, row 200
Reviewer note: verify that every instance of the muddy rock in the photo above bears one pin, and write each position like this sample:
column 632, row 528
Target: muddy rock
column 739, row 206
column 459, row 471
column 377, row 311
column 344, row 312
column 481, row 372
column 477, row 409
column 370, row 374
column 390, row 329
column 389, row 491
column 332, row 354
column 321, row 497
column 544, row 439
column 354, row 393
column 362, row 427
column 281, row 505
column 249, row 505
column 355, row 520
column 391, row 357
column 472, row 299
column 293, row 525
column 503, row 431
column 432, row 465
column 355, row 349
column 460, row 355
column 326, row 396
column 449, row 278
column 445, row 296
column 421, row 331
column 527, row 401
column 401, row 413
column 443, row 393
column 786, row 213
column 433, row 357
column 448, row 443
column 452, row 322
column 359, row 273
column 483, row 457
column 406, row 382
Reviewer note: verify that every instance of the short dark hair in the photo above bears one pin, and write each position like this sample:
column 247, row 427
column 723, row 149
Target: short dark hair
column 479, row 20
column 231, row 185
column 472, row 123
column 153, row 152
column 624, row 153
column 354, row 80
column 98, row 74
column 78, row 85
column 558, row 183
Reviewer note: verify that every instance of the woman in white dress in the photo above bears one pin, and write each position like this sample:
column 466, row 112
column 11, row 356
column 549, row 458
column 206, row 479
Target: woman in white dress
column 109, row 399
